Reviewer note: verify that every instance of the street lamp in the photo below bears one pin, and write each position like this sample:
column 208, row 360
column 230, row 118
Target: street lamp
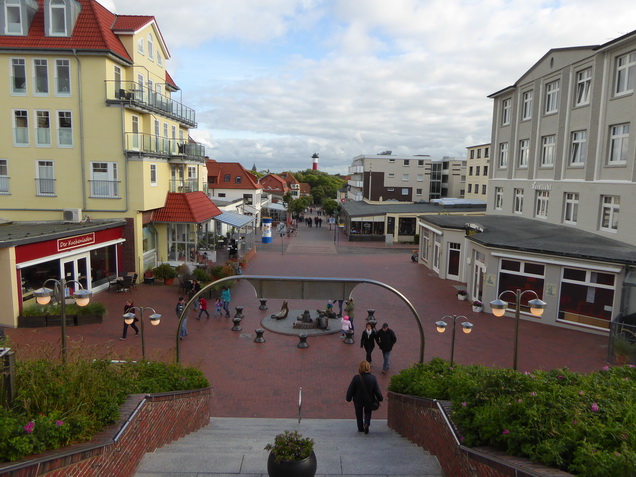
column 499, row 307
column 129, row 319
column 43, row 297
column 441, row 327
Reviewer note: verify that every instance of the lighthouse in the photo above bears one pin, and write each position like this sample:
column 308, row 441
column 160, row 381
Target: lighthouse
column 315, row 164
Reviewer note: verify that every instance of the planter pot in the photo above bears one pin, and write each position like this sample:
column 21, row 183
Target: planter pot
column 292, row 468
column 477, row 309
column 56, row 320
column 168, row 281
column 35, row 321
column 88, row 320
column 462, row 297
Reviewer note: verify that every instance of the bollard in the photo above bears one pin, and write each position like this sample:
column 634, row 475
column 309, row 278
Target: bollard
column 371, row 313
column 303, row 341
column 263, row 304
column 348, row 337
column 239, row 312
column 259, row 336
column 237, row 324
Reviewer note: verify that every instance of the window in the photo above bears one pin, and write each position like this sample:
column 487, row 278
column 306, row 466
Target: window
column 518, row 202
column 62, row 77
column 64, row 129
column 150, row 48
column 505, row 111
column 420, row 162
column 619, row 138
column 524, row 152
column 117, row 77
column 610, row 205
column 547, row 150
column 139, row 91
column 153, row 174
column 104, row 181
column 483, row 189
column 470, row 188
column 391, row 189
column 165, row 130
column 472, row 154
column 420, row 178
column 578, row 148
column 405, row 177
column 4, row 176
column 478, row 153
column 485, row 170
column 57, row 18
column 406, row 162
column 174, row 133
column 486, row 151
column 41, row 78
column 470, row 171
column 45, row 178
column 571, row 207
column 135, row 139
column 405, row 192
column 391, row 175
column 541, row 210
column 18, row 76
column 13, row 17
column 498, row 198
column 391, row 160
column 237, row 179
column 159, row 59
column 625, row 73
column 552, row 97
column 503, row 155
column 140, row 46
column 587, row 297
column 477, row 168
column 526, row 109
column 20, row 128
column 418, row 191
column 227, row 178
column 521, row 275
column 583, row 86
column 42, row 128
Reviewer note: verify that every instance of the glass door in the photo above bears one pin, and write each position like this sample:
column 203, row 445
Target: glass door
column 76, row 268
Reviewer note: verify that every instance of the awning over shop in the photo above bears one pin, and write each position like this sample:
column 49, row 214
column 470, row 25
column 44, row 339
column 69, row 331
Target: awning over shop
column 233, row 219
column 276, row 206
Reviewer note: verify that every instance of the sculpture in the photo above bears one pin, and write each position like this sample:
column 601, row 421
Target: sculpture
column 282, row 314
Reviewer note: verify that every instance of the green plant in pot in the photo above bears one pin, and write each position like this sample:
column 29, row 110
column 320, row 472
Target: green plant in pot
column 165, row 272
column 291, row 455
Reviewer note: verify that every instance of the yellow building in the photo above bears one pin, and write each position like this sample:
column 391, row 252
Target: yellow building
column 477, row 163
column 92, row 140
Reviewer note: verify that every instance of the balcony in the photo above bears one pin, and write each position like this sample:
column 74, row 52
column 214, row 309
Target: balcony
column 104, row 189
column 190, row 185
column 4, row 185
column 356, row 169
column 173, row 149
column 357, row 184
column 140, row 97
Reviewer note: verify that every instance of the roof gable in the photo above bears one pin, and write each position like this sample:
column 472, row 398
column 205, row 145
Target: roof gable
column 191, row 208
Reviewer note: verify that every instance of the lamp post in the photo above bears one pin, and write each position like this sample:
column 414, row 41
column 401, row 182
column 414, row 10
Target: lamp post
column 441, row 327
column 155, row 319
column 499, row 307
column 43, row 297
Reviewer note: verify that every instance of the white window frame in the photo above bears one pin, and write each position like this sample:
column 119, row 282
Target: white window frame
column 625, row 74
column 610, row 209
column 391, row 175
column 583, row 87
column 151, row 50
column 570, row 207
column 18, row 27
column 405, row 191
column 55, row 8
column 548, row 150
column 45, row 175
column 104, row 180
column 418, row 191
column 503, row 155
column 518, row 201
column 499, row 198
column 405, row 177
column 40, row 65
column 542, row 200
column 483, row 189
column 16, row 64
column 618, row 144
column 153, row 175
column 4, row 177
column 159, row 59
column 64, row 132
column 526, row 110
column 552, row 97
column 20, row 116
column 140, row 46
column 524, row 153
column 42, row 117
column 578, row 148
column 420, row 178
column 61, row 65
column 506, row 106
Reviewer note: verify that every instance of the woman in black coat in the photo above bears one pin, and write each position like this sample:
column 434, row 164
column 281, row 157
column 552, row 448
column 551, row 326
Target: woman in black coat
column 368, row 340
column 363, row 387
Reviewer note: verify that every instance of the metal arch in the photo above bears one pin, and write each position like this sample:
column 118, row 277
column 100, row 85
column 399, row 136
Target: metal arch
column 308, row 288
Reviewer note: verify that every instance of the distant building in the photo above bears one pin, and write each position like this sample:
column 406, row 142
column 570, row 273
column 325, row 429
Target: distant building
column 275, row 186
column 477, row 165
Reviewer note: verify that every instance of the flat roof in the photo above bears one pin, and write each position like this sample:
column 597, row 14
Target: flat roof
column 21, row 233
column 537, row 236
column 364, row 209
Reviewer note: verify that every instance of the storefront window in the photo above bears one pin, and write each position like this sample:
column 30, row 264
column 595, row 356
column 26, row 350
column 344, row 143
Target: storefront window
column 517, row 275
column 103, row 264
column 182, row 242
column 587, row 297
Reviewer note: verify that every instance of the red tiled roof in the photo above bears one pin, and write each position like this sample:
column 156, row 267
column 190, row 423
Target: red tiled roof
column 93, row 31
column 219, row 170
column 171, row 82
column 273, row 183
column 188, row 208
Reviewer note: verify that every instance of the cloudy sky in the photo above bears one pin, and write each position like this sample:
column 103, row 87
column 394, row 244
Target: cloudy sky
column 274, row 81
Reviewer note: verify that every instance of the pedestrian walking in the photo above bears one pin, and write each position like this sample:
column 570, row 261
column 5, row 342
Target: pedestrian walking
column 364, row 390
column 226, row 296
column 340, row 303
column 349, row 309
column 127, row 308
column 183, row 332
column 218, row 306
column 368, row 340
column 203, row 305
column 345, row 326
column 386, row 340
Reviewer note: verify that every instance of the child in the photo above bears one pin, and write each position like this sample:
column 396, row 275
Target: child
column 346, row 325
column 218, row 304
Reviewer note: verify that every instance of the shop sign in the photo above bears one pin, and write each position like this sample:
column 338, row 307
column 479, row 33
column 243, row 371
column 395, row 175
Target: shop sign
column 69, row 243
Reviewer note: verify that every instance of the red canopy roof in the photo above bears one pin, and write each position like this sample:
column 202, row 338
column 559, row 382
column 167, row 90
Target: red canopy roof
column 187, row 208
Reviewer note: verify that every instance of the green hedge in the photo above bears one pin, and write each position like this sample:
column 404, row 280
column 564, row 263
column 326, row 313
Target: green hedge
column 58, row 405
column 584, row 424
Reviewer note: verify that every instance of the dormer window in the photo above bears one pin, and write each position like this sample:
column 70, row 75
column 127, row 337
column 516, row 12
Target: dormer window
column 13, row 18
column 238, row 179
column 227, row 178
column 60, row 16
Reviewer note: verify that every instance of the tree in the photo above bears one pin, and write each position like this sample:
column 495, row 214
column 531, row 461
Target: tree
column 330, row 206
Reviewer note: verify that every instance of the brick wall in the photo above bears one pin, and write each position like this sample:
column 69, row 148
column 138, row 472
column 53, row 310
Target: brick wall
column 146, row 423
column 425, row 422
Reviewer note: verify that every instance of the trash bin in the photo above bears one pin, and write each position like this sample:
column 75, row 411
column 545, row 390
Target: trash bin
column 7, row 376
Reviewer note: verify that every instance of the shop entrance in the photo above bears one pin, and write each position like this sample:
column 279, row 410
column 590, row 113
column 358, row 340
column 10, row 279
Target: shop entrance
column 77, row 268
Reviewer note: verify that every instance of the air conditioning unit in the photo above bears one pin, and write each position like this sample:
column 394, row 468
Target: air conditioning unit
column 73, row 215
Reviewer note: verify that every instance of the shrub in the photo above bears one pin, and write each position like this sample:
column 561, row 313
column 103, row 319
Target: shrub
column 583, row 424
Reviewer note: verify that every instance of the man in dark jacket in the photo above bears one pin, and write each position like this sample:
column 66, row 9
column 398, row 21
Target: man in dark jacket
column 386, row 340
column 363, row 389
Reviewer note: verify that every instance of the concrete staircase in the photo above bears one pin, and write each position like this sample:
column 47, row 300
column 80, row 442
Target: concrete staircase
column 232, row 446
